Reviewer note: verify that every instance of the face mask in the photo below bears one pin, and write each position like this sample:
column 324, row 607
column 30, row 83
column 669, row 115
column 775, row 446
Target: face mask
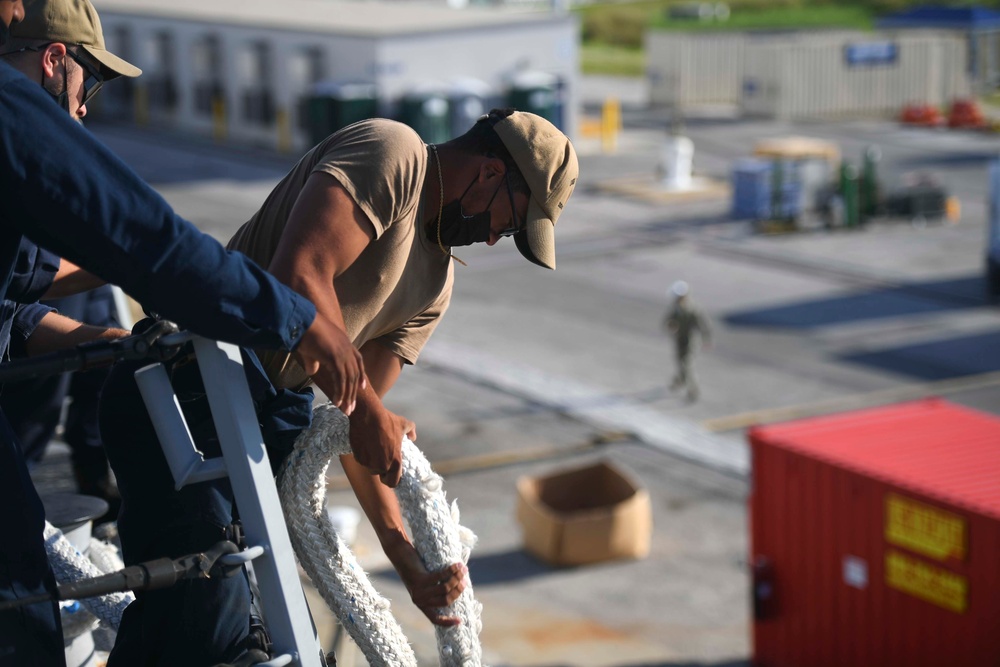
column 4, row 33
column 62, row 99
column 458, row 229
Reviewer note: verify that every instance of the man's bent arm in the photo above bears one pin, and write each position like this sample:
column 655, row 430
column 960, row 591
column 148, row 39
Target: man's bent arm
column 325, row 233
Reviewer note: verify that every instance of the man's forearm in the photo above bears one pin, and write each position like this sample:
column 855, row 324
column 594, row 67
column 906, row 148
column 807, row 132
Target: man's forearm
column 379, row 503
column 57, row 332
column 71, row 279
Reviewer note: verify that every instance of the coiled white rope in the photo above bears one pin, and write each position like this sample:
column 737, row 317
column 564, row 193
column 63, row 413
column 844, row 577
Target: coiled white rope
column 68, row 564
column 438, row 538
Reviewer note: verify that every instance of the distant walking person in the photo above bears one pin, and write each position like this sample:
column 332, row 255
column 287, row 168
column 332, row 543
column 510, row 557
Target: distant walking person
column 682, row 321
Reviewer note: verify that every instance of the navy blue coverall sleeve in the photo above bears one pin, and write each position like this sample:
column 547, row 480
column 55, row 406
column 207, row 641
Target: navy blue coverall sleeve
column 26, row 320
column 67, row 192
column 34, row 272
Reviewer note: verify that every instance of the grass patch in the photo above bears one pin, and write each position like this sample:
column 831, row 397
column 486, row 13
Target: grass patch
column 778, row 18
column 597, row 58
column 612, row 32
column 619, row 23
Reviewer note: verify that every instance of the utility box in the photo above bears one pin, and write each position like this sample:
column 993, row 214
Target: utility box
column 584, row 515
column 875, row 538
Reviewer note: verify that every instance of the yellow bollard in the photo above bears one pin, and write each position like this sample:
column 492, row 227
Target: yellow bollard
column 611, row 124
column 283, row 122
column 953, row 209
column 140, row 100
column 218, row 118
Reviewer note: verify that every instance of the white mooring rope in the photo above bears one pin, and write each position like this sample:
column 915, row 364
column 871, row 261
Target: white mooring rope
column 68, row 564
column 437, row 536
column 364, row 613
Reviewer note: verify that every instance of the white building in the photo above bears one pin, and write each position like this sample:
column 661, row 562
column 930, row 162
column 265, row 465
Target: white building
column 806, row 74
column 239, row 69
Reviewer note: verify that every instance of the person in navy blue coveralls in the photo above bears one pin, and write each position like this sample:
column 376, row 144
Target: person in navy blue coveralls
column 68, row 193
column 36, row 407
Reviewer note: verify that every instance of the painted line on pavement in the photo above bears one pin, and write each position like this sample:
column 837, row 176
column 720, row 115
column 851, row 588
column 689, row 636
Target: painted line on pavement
column 910, row 392
column 593, row 406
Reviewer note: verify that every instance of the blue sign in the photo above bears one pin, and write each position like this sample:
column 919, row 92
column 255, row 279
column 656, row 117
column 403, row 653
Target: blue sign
column 871, row 53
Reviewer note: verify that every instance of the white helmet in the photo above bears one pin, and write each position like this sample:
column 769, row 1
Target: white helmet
column 679, row 289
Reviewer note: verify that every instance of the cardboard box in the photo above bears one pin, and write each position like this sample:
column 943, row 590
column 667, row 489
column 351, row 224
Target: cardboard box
column 584, row 515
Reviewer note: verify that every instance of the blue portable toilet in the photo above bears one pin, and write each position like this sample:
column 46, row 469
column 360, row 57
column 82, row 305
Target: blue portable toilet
column 752, row 180
column 754, row 197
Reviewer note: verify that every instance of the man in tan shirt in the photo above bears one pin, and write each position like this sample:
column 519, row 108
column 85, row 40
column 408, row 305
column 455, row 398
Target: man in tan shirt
column 363, row 226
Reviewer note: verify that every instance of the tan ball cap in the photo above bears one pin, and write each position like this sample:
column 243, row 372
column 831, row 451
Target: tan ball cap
column 72, row 22
column 547, row 160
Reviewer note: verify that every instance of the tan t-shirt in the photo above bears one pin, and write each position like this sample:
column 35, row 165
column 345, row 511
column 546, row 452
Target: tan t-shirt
column 399, row 287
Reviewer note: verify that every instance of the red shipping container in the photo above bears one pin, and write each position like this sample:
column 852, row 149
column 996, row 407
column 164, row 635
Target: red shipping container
column 875, row 538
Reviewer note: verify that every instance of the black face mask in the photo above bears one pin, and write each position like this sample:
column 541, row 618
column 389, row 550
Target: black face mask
column 62, row 99
column 4, row 33
column 458, row 229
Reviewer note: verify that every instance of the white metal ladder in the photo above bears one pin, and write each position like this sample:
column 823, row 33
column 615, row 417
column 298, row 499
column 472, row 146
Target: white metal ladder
column 244, row 460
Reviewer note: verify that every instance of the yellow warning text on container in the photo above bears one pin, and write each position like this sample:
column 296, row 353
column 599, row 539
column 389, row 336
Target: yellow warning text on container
column 925, row 581
column 924, row 529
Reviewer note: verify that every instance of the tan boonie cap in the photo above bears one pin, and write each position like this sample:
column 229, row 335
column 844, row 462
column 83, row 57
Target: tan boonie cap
column 72, row 22
column 547, row 160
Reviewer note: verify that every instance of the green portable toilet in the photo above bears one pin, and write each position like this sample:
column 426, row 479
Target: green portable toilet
column 537, row 92
column 468, row 100
column 332, row 105
column 426, row 110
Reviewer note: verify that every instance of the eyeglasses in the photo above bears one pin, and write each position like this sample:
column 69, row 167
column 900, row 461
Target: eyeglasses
column 516, row 226
column 94, row 79
column 91, row 84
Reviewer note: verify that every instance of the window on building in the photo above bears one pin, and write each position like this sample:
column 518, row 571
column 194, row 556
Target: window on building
column 162, row 81
column 307, row 68
column 316, row 64
column 206, row 59
column 119, row 93
column 256, row 73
